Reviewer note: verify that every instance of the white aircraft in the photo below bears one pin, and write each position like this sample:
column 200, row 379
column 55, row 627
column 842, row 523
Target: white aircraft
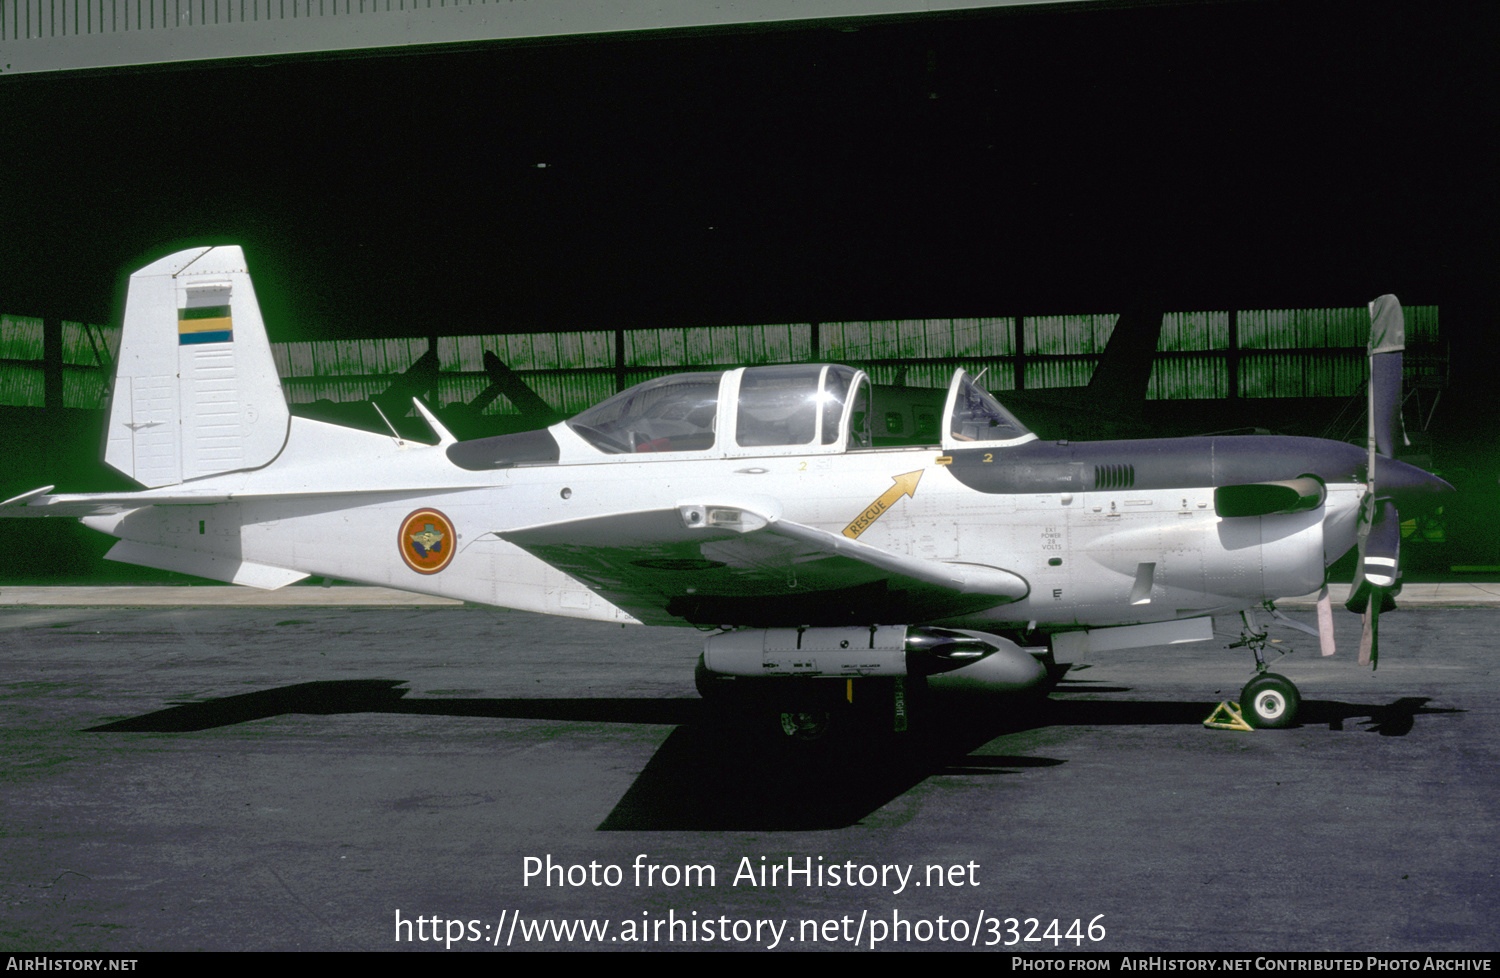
column 749, row 503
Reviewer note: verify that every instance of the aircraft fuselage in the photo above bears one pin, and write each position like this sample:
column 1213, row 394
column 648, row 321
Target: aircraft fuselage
column 1102, row 532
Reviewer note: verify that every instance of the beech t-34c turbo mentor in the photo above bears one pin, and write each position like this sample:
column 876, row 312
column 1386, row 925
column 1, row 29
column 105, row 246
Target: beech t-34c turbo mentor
column 748, row 502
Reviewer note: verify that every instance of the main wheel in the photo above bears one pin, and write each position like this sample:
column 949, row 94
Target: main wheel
column 1270, row 701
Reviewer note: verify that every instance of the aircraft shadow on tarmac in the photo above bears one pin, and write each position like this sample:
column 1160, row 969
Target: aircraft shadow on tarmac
column 714, row 773
column 338, row 696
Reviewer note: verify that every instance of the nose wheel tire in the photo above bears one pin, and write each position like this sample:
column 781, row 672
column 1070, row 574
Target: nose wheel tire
column 1270, row 701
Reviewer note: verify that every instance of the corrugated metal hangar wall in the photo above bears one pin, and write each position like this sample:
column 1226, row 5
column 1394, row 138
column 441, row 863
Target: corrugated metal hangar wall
column 1286, row 353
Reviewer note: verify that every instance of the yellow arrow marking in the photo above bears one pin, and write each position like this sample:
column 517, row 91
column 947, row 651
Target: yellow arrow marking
column 905, row 485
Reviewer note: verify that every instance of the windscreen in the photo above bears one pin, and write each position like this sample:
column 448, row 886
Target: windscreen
column 668, row 414
column 977, row 416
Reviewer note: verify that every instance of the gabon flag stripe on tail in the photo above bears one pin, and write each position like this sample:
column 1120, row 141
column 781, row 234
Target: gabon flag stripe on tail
column 207, row 318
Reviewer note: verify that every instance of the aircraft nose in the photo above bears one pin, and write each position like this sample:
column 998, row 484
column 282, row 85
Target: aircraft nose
column 1406, row 483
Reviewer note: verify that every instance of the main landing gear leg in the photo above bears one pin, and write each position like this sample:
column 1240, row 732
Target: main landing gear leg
column 1269, row 700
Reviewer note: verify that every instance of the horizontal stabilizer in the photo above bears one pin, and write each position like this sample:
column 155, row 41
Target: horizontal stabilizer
column 26, row 497
column 38, row 502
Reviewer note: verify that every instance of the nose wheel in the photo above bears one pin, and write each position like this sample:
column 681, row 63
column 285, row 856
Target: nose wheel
column 1270, row 701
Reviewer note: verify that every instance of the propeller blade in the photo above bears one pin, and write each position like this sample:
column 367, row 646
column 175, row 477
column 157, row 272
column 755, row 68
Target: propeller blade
column 1387, row 341
column 1377, row 576
column 1383, row 550
column 1325, row 622
column 1369, row 637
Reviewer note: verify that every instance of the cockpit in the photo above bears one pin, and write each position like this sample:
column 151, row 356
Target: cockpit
column 795, row 409
column 806, row 407
column 669, row 414
column 784, row 409
column 974, row 415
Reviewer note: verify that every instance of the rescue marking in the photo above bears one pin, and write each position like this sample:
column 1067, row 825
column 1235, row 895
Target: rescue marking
column 426, row 541
column 905, row 485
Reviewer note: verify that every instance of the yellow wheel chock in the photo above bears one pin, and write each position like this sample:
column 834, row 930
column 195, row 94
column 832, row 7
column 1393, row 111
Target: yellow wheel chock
column 1226, row 716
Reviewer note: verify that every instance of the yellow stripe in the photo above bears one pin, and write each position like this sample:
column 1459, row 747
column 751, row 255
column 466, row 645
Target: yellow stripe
column 204, row 325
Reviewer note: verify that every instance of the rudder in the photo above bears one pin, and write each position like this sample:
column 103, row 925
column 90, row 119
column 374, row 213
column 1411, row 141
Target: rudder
column 196, row 391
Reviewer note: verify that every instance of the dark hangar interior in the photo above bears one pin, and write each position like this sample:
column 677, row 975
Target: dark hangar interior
column 1020, row 161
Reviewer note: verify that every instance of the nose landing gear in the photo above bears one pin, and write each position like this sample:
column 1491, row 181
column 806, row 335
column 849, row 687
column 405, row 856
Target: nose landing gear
column 1270, row 700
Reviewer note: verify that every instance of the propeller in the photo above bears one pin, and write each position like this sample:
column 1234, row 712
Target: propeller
column 1377, row 576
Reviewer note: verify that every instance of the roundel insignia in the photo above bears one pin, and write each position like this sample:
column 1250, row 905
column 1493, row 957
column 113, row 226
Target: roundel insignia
column 427, row 541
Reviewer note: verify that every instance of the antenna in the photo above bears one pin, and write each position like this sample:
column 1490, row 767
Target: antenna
column 445, row 437
column 388, row 423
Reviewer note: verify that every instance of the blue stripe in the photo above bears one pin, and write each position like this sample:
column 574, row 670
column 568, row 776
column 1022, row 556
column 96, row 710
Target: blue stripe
column 223, row 336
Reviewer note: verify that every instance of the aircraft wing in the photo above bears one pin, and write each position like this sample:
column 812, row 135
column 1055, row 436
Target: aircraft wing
column 737, row 562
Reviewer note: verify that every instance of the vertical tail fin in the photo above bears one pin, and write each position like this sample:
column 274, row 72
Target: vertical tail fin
column 196, row 392
column 1122, row 380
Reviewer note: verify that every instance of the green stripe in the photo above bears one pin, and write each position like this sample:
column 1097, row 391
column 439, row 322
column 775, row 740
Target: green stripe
column 204, row 312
